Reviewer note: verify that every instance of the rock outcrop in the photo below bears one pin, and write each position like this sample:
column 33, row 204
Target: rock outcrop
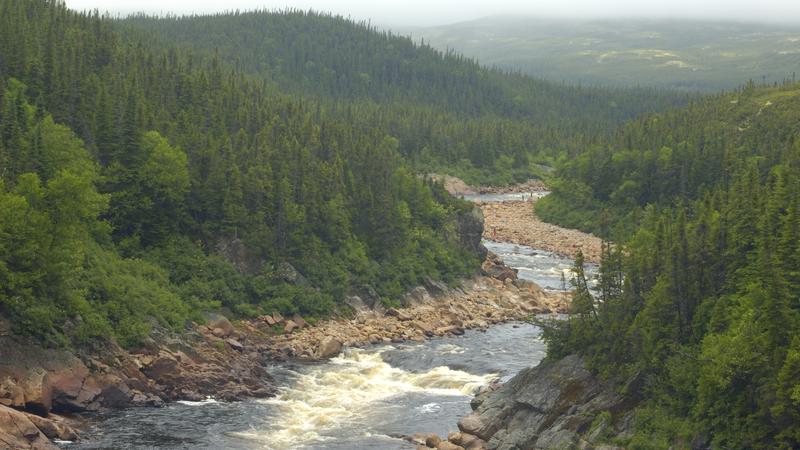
column 470, row 232
column 553, row 405
column 222, row 362
column 19, row 430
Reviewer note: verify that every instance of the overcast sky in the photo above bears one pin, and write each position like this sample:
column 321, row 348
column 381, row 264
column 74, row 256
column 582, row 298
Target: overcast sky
column 436, row 12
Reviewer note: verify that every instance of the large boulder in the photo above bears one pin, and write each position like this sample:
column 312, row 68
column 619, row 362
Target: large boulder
column 11, row 394
column 494, row 267
column 38, row 391
column 329, row 348
column 220, row 322
column 368, row 295
column 17, row 431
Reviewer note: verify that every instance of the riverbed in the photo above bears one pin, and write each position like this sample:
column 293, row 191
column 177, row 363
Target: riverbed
column 363, row 399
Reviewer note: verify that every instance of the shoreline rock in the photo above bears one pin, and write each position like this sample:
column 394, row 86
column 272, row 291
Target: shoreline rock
column 476, row 303
column 558, row 404
column 516, row 222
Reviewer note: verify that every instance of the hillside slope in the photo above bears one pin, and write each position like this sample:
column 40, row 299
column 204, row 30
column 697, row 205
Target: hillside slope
column 676, row 54
column 699, row 298
column 140, row 189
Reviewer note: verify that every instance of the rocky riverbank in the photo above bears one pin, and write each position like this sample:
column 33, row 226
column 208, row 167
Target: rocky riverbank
column 431, row 310
column 554, row 405
column 516, row 222
column 456, row 186
column 38, row 385
column 225, row 360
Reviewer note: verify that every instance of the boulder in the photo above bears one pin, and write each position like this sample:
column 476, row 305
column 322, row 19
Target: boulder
column 53, row 429
column 415, row 296
column 329, row 348
column 435, row 288
column 219, row 322
column 368, row 295
column 17, row 431
column 11, row 394
column 277, row 317
column 236, row 345
column 432, row 440
column 269, row 320
column 401, row 315
column 290, row 326
column 444, row 445
column 299, row 321
column 356, row 303
column 38, row 391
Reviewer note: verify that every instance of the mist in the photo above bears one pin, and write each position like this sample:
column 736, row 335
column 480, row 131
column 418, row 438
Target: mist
column 440, row 12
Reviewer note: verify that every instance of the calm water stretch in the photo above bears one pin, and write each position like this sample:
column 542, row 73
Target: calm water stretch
column 359, row 400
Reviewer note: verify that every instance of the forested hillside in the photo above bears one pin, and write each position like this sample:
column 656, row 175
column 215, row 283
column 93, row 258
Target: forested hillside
column 138, row 183
column 680, row 54
column 699, row 298
column 448, row 112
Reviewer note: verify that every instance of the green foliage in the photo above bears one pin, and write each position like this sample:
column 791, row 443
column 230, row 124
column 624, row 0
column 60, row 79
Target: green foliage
column 143, row 185
column 702, row 298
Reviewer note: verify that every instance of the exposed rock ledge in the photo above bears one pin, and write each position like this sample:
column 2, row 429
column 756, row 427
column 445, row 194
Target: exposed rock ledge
column 556, row 405
column 36, row 383
column 430, row 310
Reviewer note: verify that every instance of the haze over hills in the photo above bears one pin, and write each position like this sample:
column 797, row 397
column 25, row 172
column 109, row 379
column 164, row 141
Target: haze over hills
column 679, row 54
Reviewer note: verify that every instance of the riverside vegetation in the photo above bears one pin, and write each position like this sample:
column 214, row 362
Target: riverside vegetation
column 701, row 303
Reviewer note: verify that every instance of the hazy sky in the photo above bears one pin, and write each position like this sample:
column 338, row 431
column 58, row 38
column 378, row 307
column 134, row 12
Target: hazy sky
column 430, row 12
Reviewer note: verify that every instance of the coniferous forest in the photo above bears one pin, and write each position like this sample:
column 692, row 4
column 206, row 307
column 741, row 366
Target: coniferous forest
column 701, row 302
column 142, row 178
column 155, row 169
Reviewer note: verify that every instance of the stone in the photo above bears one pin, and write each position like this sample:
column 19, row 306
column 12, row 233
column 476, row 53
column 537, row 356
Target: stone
column 236, row 345
column 329, row 348
column 290, row 326
column 53, row 429
column 299, row 321
column 11, row 394
column 475, row 425
column 434, row 288
column 444, row 445
column 455, row 437
column 18, row 432
column 400, row 315
column 38, row 391
column 269, row 320
column 218, row 321
column 368, row 295
column 432, row 440
column 277, row 317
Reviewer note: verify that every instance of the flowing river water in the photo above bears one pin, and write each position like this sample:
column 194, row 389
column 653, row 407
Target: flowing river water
column 362, row 399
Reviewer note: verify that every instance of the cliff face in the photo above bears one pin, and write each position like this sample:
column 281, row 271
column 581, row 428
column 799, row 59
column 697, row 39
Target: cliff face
column 470, row 232
column 554, row 405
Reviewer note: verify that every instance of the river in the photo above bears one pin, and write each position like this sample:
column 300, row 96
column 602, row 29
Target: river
column 362, row 399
